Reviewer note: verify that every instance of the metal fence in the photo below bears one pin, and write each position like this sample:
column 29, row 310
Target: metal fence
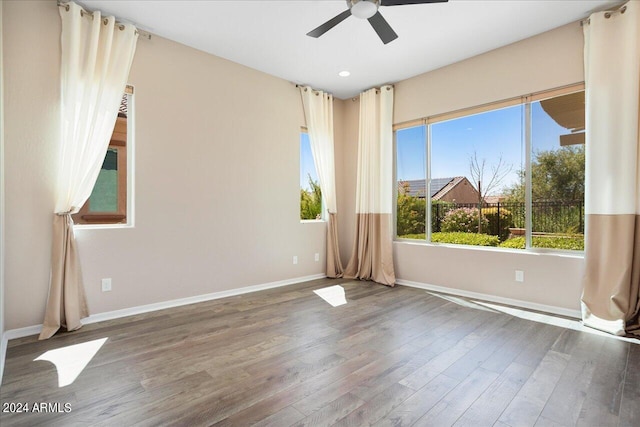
column 564, row 216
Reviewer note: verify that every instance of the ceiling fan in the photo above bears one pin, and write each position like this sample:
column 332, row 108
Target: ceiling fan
column 368, row 9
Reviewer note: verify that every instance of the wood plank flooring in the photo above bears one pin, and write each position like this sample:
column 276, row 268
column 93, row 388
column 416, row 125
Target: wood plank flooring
column 285, row 357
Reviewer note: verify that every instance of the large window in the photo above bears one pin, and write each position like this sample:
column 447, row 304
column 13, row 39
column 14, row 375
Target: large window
column 109, row 198
column 510, row 176
column 310, row 192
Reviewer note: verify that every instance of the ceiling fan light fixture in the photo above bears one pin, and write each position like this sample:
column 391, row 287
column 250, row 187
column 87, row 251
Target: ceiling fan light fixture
column 364, row 9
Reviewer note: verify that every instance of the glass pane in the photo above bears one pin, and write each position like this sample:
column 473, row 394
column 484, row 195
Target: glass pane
column 411, row 145
column 310, row 193
column 477, row 170
column 104, row 197
column 557, row 172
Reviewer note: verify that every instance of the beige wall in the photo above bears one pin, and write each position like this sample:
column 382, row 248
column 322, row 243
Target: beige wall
column 2, row 230
column 549, row 60
column 216, row 196
column 346, row 142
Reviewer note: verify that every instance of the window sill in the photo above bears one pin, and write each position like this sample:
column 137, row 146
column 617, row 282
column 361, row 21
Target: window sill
column 100, row 226
column 532, row 251
column 312, row 221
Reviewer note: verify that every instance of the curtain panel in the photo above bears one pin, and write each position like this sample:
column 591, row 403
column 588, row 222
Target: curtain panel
column 612, row 202
column 372, row 255
column 318, row 112
column 96, row 57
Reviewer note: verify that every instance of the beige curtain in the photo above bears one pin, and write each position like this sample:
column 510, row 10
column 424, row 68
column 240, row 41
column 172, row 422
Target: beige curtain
column 612, row 203
column 318, row 111
column 372, row 255
column 96, row 57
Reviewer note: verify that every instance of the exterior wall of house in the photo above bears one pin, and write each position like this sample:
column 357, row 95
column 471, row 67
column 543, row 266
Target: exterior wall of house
column 462, row 192
column 216, row 179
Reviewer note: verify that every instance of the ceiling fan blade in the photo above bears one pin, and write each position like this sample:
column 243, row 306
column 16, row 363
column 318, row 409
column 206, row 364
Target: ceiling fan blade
column 329, row 24
column 382, row 27
column 403, row 2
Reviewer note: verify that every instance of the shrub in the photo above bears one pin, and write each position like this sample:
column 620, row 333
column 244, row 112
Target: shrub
column 465, row 239
column 499, row 228
column 439, row 209
column 411, row 215
column 414, row 236
column 568, row 242
column 514, row 243
column 463, row 220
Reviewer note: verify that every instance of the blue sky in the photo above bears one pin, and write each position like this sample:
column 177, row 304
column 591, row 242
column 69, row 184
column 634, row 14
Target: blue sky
column 306, row 162
column 490, row 134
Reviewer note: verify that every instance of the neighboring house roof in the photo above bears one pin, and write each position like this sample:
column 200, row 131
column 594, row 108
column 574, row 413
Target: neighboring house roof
column 439, row 186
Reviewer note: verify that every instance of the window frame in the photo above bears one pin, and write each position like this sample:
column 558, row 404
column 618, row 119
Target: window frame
column 525, row 101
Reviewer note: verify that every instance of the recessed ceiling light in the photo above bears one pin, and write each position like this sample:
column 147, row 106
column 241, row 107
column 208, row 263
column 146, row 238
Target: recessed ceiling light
column 344, row 73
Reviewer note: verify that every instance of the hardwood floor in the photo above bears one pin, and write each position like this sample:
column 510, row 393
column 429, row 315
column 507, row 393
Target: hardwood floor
column 285, row 357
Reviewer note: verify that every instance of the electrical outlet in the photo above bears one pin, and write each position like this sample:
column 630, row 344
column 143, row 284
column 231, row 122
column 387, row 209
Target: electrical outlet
column 106, row 285
column 317, row 257
column 519, row 276
column 295, row 259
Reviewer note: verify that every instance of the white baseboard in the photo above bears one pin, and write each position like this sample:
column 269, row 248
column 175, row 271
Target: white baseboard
column 131, row 311
column 494, row 298
column 12, row 334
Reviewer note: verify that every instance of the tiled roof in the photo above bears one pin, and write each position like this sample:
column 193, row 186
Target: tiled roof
column 417, row 187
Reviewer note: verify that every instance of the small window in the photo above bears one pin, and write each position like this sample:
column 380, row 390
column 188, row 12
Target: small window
column 310, row 192
column 411, row 203
column 107, row 203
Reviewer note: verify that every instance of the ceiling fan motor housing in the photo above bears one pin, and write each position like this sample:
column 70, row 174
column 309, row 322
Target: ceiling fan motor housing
column 363, row 9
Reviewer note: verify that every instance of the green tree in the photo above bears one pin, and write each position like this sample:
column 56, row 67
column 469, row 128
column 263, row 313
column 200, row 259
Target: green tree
column 411, row 214
column 311, row 201
column 555, row 175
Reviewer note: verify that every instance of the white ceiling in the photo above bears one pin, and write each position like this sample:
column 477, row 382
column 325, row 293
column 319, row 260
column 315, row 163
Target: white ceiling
column 270, row 36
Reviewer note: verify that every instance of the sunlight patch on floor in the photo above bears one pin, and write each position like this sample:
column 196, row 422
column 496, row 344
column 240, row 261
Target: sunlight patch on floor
column 334, row 295
column 461, row 301
column 70, row 361
column 533, row 316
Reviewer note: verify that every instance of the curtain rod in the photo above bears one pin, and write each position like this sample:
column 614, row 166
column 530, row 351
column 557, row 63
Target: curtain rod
column 608, row 14
column 83, row 11
column 355, row 98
